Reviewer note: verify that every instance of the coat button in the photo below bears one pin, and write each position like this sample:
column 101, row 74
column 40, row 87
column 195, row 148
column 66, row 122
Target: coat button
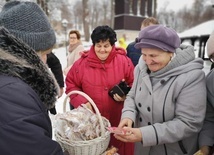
column 140, row 119
column 140, row 89
column 150, row 93
column 162, row 81
column 139, row 104
column 148, row 108
column 149, row 123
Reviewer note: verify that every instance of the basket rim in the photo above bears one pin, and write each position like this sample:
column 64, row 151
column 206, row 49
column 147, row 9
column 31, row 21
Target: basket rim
column 81, row 143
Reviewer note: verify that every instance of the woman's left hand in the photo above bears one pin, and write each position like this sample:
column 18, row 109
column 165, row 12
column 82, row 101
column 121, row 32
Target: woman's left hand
column 118, row 98
column 131, row 135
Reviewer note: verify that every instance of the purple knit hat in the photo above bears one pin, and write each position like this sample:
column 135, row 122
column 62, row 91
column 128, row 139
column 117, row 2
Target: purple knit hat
column 158, row 36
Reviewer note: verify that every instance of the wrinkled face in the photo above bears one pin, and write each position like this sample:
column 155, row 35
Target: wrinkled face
column 73, row 38
column 156, row 59
column 103, row 49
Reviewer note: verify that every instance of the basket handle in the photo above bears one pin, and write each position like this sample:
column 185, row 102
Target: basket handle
column 92, row 103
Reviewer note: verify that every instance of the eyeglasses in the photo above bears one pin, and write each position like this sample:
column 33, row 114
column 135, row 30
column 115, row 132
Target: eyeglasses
column 73, row 37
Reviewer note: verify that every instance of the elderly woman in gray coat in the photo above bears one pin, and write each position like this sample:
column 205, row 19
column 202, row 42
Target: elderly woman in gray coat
column 167, row 102
column 206, row 137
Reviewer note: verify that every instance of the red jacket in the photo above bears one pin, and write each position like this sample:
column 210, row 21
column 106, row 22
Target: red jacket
column 90, row 75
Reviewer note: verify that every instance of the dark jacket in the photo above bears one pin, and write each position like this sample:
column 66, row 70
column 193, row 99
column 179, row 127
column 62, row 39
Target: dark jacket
column 27, row 90
column 133, row 53
column 56, row 68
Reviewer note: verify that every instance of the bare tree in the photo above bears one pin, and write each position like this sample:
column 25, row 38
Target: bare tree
column 86, row 19
column 187, row 17
column 78, row 15
column 112, row 13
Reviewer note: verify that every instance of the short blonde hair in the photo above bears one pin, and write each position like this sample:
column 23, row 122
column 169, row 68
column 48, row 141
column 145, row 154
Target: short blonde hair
column 148, row 21
column 75, row 32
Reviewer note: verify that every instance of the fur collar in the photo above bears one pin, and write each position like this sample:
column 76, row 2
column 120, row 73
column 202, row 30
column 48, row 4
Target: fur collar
column 17, row 59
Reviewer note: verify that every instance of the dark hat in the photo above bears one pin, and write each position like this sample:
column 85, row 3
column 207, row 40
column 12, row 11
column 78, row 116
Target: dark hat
column 158, row 36
column 28, row 22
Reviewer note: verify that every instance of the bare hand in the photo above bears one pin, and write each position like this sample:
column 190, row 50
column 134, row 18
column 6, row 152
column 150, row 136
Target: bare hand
column 88, row 105
column 204, row 150
column 118, row 98
column 126, row 122
column 132, row 135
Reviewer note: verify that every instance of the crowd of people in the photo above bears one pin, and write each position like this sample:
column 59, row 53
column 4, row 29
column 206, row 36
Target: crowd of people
column 165, row 103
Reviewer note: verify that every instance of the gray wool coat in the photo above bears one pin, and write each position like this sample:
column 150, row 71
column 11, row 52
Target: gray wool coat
column 207, row 133
column 168, row 105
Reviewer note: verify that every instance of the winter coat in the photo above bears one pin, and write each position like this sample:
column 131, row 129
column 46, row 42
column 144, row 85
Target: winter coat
column 73, row 56
column 90, row 75
column 133, row 53
column 122, row 43
column 56, row 68
column 207, row 133
column 168, row 106
column 27, row 90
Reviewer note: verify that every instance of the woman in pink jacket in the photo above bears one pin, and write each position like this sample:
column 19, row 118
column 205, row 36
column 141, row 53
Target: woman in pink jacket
column 96, row 73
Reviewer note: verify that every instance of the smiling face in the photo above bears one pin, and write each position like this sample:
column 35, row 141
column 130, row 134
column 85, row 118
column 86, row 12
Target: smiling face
column 103, row 49
column 156, row 59
column 73, row 38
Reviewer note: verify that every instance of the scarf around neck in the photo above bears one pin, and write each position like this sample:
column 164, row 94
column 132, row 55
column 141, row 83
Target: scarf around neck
column 74, row 46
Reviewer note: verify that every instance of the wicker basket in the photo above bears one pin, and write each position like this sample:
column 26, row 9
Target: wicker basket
column 91, row 147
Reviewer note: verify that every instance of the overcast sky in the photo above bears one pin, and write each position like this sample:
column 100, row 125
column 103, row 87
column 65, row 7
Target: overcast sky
column 174, row 5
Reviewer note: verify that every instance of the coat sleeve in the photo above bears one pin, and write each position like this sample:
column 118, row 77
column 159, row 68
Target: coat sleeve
column 73, row 82
column 206, row 136
column 56, row 68
column 25, row 126
column 129, row 67
column 129, row 110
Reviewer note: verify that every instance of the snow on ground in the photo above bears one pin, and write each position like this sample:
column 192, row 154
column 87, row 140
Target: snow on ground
column 61, row 54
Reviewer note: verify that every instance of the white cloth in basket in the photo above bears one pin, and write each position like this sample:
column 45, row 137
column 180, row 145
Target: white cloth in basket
column 79, row 124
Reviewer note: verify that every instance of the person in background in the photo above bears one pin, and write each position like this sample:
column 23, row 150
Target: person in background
column 167, row 101
column 75, row 49
column 122, row 43
column 133, row 53
column 56, row 68
column 27, row 87
column 206, row 136
column 96, row 73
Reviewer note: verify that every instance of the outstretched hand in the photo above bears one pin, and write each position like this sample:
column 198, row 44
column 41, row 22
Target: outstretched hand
column 131, row 135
